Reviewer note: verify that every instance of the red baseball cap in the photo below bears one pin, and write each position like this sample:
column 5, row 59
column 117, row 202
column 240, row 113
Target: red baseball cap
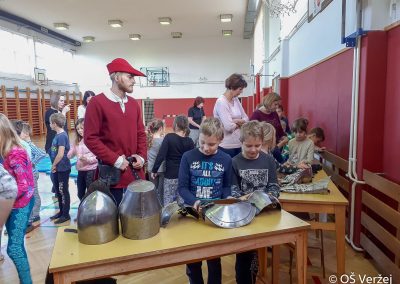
column 121, row 65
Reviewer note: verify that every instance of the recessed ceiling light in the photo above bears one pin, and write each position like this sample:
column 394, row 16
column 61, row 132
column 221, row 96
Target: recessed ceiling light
column 61, row 26
column 88, row 39
column 227, row 32
column 176, row 34
column 115, row 23
column 135, row 36
column 225, row 18
column 165, row 20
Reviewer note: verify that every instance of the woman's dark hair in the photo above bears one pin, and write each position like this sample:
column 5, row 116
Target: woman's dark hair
column 85, row 97
column 78, row 136
column 299, row 125
column 197, row 101
column 235, row 81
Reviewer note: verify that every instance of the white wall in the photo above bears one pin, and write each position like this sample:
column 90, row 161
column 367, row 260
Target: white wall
column 317, row 40
column 188, row 60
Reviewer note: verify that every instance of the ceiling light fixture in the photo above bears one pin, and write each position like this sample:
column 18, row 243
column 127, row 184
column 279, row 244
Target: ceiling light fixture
column 165, row 21
column 61, row 26
column 88, row 39
column 115, row 23
column 176, row 34
column 135, row 36
column 227, row 32
column 225, row 18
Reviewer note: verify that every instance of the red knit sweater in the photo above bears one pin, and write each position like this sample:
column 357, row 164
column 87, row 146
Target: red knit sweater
column 110, row 133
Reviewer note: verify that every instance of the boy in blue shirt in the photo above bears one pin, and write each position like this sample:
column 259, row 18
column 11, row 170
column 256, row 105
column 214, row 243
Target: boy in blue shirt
column 205, row 174
column 61, row 167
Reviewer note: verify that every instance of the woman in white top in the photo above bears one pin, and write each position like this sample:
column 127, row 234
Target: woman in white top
column 86, row 99
column 229, row 110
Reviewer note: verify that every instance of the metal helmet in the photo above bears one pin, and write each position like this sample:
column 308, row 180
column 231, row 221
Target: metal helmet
column 231, row 215
column 97, row 219
column 140, row 211
column 262, row 200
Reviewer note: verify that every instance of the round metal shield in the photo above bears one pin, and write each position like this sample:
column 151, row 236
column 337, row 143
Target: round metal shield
column 231, row 215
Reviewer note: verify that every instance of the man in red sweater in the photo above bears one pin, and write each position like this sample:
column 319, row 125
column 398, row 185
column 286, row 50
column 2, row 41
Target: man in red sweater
column 114, row 128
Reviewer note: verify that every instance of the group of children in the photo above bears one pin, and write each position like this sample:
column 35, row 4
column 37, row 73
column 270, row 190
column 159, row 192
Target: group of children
column 19, row 197
column 180, row 171
column 193, row 175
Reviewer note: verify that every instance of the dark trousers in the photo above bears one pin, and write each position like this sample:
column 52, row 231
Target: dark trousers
column 231, row 152
column 118, row 193
column 85, row 178
column 193, row 271
column 61, row 183
column 246, row 267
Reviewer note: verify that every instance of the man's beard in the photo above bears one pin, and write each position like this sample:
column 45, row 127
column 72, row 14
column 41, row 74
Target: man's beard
column 125, row 89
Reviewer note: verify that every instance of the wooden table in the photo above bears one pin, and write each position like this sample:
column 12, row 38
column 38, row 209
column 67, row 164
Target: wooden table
column 332, row 203
column 183, row 241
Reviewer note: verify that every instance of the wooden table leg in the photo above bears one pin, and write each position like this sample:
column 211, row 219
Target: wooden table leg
column 58, row 279
column 276, row 259
column 301, row 258
column 340, row 239
column 262, row 263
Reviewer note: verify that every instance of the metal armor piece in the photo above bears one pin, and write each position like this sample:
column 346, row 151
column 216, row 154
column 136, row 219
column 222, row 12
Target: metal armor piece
column 262, row 200
column 231, row 215
column 97, row 219
column 140, row 211
column 167, row 213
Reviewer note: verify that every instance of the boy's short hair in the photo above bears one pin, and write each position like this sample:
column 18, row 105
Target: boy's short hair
column 318, row 132
column 17, row 125
column 26, row 128
column 251, row 129
column 299, row 125
column 212, row 126
column 58, row 118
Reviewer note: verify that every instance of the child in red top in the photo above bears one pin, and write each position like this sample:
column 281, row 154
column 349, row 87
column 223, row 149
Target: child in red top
column 18, row 164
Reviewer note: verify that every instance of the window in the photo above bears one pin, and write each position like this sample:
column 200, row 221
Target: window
column 289, row 22
column 58, row 63
column 259, row 47
column 17, row 56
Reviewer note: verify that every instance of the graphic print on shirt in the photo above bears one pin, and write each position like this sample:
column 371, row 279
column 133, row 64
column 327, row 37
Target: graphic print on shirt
column 206, row 179
column 253, row 179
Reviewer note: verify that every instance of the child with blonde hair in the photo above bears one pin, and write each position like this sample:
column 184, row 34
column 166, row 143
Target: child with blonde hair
column 36, row 155
column 252, row 170
column 269, row 139
column 155, row 137
column 205, row 174
column 16, row 161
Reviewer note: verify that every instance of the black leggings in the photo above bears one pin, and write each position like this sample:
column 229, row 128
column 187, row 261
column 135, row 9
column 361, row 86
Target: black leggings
column 85, row 178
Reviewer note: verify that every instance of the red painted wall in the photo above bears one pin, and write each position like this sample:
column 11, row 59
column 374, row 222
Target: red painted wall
column 179, row 106
column 322, row 94
column 372, row 102
column 391, row 150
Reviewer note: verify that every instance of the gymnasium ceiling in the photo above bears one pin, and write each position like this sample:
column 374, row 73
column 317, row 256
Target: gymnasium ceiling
column 194, row 18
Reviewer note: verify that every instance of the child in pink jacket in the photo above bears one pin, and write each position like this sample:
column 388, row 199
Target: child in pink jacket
column 86, row 163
